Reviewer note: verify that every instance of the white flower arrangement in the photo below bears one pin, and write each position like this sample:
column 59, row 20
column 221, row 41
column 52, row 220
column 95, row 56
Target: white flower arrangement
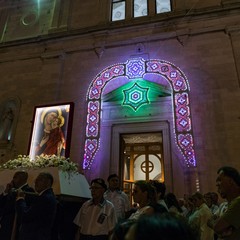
column 42, row 161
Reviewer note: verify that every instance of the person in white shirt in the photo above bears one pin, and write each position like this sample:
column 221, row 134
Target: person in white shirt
column 201, row 216
column 118, row 198
column 209, row 201
column 96, row 218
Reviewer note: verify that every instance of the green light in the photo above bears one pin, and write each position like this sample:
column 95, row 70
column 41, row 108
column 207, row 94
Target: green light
column 135, row 96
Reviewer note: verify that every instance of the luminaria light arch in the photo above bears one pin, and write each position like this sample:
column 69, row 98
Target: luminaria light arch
column 137, row 68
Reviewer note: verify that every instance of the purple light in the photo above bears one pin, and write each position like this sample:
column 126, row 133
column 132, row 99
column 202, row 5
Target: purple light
column 137, row 68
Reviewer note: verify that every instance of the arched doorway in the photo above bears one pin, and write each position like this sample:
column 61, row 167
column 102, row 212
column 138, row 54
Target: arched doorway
column 133, row 69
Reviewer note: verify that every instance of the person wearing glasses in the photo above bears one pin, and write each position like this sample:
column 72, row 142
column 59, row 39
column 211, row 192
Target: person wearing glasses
column 96, row 218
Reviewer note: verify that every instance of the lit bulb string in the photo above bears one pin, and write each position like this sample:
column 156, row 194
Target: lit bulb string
column 90, row 154
column 174, row 105
column 110, row 77
column 104, row 76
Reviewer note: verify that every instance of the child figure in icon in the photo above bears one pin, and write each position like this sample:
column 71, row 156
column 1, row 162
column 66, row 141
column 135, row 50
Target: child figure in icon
column 53, row 140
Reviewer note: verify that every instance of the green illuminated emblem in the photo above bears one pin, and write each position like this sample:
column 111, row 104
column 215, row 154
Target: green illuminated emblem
column 135, row 96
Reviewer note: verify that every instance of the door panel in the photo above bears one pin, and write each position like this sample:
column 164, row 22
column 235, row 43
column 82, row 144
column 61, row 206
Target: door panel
column 141, row 158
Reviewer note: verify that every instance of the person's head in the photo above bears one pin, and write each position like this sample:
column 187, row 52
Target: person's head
column 113, row 182
column 144, row 193
column 50, row 116
column 171, row 200
column 208, row 199
column 19, row 179
column 165, row 227
column 198, row 199
column 57, row 122
column 160, row 188
column 228, row 181
column 98, row 187
column 43, row 181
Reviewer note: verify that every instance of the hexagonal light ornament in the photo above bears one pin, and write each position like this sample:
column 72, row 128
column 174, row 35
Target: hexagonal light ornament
column 135, row 96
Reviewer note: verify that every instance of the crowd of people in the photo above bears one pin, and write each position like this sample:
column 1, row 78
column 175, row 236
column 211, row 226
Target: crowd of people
column 108, row 215
column 158, row 215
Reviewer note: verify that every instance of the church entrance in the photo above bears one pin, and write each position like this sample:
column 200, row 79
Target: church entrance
column 141, row 151
column 141, row 158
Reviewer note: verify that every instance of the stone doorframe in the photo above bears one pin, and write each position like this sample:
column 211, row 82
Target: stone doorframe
column 137, row 68
column 143, row 127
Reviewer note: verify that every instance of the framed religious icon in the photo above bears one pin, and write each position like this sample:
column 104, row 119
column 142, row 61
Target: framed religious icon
column 51, row 130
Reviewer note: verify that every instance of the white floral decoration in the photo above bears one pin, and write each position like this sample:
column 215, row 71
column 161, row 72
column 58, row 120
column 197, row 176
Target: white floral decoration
column 42, row 161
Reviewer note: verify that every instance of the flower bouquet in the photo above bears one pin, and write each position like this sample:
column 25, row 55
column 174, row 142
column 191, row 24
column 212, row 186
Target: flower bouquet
column 42, row 161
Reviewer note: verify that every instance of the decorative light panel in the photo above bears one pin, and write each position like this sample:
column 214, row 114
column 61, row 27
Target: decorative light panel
column 135, row 68
column 135, row 97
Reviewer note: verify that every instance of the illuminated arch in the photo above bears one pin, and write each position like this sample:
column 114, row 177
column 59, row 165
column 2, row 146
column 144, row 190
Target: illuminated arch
column 137, row 68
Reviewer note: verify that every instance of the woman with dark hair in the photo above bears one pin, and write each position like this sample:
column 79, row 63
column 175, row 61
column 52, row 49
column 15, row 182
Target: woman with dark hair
column 144, row 194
